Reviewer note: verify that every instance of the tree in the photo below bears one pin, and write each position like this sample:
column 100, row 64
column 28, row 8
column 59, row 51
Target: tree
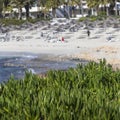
column 27, row 5
column 53, row 4
column 41, row 3
column 112, row 5
column 80, row 4
column 20, row 4
column 96, row 3
column 1, row 7
column 7, row 7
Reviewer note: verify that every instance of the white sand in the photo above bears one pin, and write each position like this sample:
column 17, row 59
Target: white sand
column 76, row 44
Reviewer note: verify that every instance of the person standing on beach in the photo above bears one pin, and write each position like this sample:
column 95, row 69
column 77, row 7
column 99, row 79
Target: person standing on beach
column 88, row 33
column 41, row 34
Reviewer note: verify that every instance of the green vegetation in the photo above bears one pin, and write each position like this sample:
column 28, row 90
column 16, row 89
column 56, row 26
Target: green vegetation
column 82, row 19
column 100, row 17
column 90, row 92
column 7, row 22
column 46, row 5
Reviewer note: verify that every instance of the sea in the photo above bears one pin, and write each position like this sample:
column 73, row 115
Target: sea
column 16, row 64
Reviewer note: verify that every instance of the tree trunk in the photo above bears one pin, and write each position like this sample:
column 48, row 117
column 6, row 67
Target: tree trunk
column 81, row 8
column 116, row 11
column 73, row 11
column 1, row 15
column 1, row 9
column 111, row 8
column 27, row 6
column 97, row 10
column 20, row 13
column 54, row 12
column 92, row 11
column 38, row 7
column 107, row 11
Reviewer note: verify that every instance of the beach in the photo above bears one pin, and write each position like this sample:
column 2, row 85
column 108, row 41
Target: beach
column 69, row 42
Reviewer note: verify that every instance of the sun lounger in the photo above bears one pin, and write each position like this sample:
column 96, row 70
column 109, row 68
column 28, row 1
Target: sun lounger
column 4, row 37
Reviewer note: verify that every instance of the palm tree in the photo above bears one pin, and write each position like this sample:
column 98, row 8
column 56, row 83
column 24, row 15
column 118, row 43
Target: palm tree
column 40, row 3
column 1, row 7
column 79, row 3
column 27, row 5
column 95, row 4
column 7, row 7
column 53, row 4
column 20, row 4
column 81, row 6
column 104, row 5
column 113, row 4
column 72, row 4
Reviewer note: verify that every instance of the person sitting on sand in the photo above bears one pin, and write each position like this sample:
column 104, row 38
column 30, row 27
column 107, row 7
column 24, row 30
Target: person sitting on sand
column 88, row 33
column 109, row 37
column 41, row 34
column 7, row 36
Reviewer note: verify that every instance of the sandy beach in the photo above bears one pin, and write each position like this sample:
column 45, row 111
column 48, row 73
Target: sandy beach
column 102, row 42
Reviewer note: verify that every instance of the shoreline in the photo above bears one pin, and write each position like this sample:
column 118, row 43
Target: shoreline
column 76, row 44
column 39, row 64
column 111, row 54
column 18, row 63
column 85, row 56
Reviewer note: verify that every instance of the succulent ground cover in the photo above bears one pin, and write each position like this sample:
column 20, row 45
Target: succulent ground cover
column 89, row 92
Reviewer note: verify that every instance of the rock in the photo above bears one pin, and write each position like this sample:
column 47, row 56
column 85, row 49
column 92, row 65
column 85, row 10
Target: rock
column 13, row 65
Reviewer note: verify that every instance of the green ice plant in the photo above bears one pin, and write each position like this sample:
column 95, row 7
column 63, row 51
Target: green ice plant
column 90, row 91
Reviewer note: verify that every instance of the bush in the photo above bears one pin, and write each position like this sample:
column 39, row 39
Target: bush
column 82, row 19
column 102, row 14
column 90, row 92
column 7, row 22
column 93, row 18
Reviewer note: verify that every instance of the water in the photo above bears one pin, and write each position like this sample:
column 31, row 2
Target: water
column 12, row 65
column 17, row 64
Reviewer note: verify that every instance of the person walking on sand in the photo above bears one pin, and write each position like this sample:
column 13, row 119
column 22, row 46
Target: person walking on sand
column 88, row 33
